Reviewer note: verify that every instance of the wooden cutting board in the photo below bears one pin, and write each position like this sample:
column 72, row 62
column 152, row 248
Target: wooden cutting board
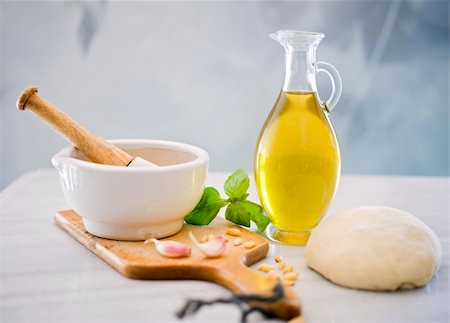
column 134, row 259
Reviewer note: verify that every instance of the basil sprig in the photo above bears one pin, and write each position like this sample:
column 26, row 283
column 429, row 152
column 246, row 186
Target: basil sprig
column 239, row 210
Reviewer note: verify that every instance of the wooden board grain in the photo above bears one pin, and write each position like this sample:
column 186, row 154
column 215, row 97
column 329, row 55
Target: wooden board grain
column 137, row 260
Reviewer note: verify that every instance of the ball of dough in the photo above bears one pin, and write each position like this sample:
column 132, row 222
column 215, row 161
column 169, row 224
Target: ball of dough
column 375, row 248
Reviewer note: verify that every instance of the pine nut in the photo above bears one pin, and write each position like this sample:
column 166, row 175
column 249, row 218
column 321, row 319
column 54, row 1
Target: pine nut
column 278, row 259
column 265, row 268
column 273, row 275
column 289, row 283
column 233, row 232
column 249, row 244
column 237, row 241
column 287, row 269
column 204, row 239
column 282, row 265
column 297, row 319
column 225, row 239
column 291, row 275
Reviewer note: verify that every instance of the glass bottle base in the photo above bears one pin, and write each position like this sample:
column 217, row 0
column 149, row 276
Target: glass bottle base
column 287, row 237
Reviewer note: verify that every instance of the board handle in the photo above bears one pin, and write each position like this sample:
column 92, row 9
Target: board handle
column 92, row 146
column 241, row 279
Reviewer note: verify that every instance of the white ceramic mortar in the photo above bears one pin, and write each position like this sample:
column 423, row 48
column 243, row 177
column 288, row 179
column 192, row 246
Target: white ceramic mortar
column 134, row 203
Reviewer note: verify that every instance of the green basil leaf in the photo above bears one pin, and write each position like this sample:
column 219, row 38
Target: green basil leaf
column 237, row 184
column 207, row 209
column 237, row 214
column 256, row 213
column 244, row 197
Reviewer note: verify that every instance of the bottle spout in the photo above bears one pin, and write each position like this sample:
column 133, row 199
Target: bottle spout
column 300, row 59
column 297, row 40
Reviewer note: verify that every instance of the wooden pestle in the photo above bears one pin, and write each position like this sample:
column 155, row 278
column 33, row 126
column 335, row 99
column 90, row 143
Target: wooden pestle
column 92, row 146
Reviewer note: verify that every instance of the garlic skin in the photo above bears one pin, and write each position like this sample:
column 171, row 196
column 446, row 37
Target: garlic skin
column 213, row 248
column 170, row 249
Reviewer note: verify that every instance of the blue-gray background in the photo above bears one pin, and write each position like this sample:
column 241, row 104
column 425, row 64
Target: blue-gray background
column 206, row 73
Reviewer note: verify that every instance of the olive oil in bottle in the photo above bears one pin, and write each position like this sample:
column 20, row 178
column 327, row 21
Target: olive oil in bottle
column 297, row 159
column 297, row 163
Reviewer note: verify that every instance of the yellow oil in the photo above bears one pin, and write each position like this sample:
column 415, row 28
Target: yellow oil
column 297, row 165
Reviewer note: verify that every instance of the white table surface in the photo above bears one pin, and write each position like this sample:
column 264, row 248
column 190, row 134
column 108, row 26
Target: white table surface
column 47, row 276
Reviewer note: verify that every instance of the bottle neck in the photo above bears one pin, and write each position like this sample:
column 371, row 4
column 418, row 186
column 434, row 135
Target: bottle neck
column 300, row 74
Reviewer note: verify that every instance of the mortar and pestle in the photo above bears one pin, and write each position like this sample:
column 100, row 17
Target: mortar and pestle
column 123, row 189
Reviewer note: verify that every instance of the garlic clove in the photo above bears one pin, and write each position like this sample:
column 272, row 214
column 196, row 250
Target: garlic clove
column 213, row 248
column 169, row 248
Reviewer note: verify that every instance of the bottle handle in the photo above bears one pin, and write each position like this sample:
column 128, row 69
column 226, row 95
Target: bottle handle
column 336, row 84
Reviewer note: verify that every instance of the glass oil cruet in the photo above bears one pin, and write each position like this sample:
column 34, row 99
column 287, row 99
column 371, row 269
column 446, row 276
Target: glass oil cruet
column 297, row 161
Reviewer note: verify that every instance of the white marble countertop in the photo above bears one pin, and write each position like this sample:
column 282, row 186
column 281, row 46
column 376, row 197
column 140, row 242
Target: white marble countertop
column 47, row 276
